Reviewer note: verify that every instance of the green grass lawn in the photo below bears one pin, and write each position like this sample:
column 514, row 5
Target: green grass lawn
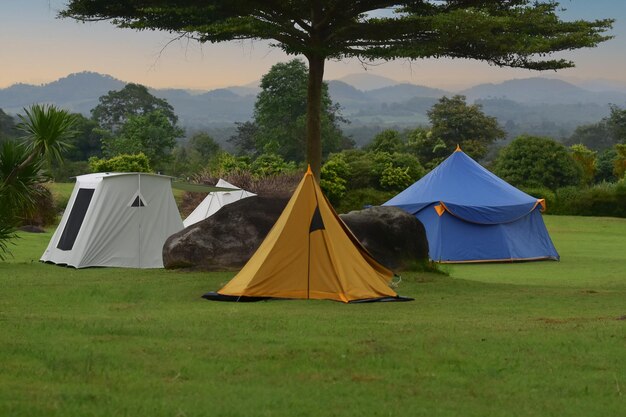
column 528, row 339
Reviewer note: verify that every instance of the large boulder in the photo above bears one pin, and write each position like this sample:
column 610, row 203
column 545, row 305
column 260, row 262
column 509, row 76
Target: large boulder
column 395, row 238
column 226, row 240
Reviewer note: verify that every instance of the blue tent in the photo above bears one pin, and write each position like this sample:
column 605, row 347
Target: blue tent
column 471, row 215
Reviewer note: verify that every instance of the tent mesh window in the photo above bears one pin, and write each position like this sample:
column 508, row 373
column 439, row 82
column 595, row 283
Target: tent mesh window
column 138, row 202
column 75, row 221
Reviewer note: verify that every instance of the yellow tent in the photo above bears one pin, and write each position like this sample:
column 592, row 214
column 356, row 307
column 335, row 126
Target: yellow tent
column 310, row 253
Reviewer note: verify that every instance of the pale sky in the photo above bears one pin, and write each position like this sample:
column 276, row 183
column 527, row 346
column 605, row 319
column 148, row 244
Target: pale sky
column 38, row 48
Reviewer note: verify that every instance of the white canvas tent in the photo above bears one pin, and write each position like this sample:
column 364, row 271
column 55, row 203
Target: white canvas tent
column 116, row 219
column 216, row 200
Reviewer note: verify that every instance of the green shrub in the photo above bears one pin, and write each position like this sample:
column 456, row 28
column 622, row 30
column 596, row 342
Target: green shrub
column 386, row 141
column 358, row 199
column 269, row 164
column 43, row 212
column 604, row 199
column 334, row 187
column 121, row 163
column 605, row 164
column 366, row 169
column 229, row 164
column 619, row 163
column 362, row 172
column 571, row 200
column 334, row 176
column 415, row 170
column 395, row 178
column 608, row 200
column 531, row 161
column 586, row 160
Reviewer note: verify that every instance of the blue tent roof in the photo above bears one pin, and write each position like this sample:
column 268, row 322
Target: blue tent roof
column 471, row 215
column 467, row 190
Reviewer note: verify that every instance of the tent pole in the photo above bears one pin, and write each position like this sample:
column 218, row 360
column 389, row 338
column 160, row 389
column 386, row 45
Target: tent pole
column 139, row 228
column 308, row 268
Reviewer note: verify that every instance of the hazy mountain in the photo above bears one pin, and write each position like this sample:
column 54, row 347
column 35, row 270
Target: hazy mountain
column 219, row 93
column 173, row 93
column 245, row 91
column 545, row 119
column 76, row 92
column 601, row 86
column 535, row 105
column 346, row 94
column 404, row 91
column 366, row 82
column 542, row 90
column 215, row 107
column 397, row 99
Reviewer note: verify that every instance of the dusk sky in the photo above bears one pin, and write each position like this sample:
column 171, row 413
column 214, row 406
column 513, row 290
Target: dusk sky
column 38, row 48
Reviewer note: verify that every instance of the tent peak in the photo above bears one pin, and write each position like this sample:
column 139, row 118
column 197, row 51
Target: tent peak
column 458, row 148
column 308, row 170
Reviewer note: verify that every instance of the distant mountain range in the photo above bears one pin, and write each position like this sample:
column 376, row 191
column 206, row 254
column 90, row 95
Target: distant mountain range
column 542, row 91
column 533, row 105
column 366, row 82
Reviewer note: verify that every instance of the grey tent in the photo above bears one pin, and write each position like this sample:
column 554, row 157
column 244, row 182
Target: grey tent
column 116, row 219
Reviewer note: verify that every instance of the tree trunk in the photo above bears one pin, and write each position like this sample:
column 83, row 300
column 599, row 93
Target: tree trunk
column 314, row 118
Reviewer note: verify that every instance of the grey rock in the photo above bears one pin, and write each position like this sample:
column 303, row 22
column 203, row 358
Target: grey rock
column 393, row 237
column 226, row 240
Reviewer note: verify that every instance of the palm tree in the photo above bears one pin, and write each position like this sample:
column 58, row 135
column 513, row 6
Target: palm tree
column 46, row 130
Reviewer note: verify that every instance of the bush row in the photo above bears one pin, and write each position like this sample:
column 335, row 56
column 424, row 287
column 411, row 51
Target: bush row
column 601, row 200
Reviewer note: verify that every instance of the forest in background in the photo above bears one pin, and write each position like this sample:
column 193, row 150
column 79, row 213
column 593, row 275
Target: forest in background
column 134, row 128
